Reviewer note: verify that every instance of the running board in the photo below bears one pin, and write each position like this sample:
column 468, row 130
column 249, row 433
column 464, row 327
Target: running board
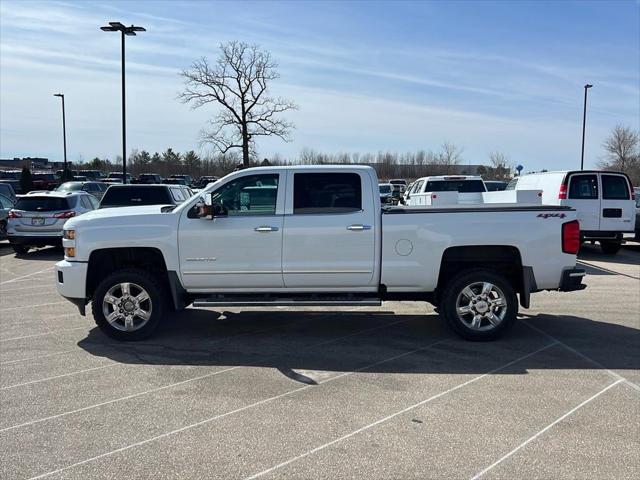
column 288, row 301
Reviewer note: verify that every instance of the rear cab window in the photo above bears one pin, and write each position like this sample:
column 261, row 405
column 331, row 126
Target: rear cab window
column 318, row 193
column 461, row 186
column 132, row 196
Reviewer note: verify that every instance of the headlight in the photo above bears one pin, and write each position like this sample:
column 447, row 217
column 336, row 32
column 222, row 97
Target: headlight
column 70, row 234
column 70, row 252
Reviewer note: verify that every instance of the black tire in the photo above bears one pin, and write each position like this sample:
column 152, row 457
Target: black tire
column 486, row 330
column 139, row 278
column 20, row 249
column 610, row 247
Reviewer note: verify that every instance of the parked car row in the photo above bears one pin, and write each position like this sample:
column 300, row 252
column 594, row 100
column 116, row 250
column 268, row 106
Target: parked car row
column 607, row 205
column 37, row 218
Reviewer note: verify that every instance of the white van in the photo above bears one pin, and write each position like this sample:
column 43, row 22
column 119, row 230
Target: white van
column 604, row 201
column 469, row 187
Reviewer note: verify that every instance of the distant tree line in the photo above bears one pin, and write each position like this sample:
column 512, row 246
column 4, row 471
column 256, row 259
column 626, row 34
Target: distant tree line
column 621, row 153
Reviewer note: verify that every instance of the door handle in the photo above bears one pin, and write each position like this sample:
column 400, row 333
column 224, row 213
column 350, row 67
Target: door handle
column 358, row 228
column 266, row 228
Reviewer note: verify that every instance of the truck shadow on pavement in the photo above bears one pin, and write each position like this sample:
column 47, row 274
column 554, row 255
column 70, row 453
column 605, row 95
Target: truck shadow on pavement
column 295, row 342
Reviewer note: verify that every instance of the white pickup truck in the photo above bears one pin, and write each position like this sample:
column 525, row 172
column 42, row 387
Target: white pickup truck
column 307, row 235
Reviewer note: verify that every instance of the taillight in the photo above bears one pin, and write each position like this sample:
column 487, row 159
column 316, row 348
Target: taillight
column 571, row 237
column 562, row 194
column 13, row 214
column 68, row 214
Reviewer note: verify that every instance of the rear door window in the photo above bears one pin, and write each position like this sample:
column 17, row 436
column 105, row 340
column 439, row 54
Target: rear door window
column 583, row 187
column 326, row 193
column 614, row 187
column 42, row 204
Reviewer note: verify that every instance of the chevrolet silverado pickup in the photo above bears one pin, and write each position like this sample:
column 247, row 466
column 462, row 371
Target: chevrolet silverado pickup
column 315, row 236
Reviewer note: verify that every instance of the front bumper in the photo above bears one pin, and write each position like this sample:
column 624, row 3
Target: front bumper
column 572, row 280
column 71, row 281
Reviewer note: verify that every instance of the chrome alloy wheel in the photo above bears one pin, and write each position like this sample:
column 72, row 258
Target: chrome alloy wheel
column 481, row 306
column 127, row 306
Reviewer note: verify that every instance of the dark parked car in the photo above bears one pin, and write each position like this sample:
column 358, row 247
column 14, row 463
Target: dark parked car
column 95, row 175
column 175, row 181
column 206, row 180
column 186, row 178
column 495, row 186
column 6, row 204
column 45, row 180
column 135, row 195
column 8, row 191
column 96, row 189
column 149, row 178
column 116, row 177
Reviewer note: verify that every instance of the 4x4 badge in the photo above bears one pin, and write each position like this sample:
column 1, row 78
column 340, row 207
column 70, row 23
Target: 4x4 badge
column 547, row 215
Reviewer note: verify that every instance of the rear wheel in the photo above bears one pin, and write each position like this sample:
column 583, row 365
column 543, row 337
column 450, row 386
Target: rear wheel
column 20, row 249
column 479, row 305
column 128, row 305
column 611, row 247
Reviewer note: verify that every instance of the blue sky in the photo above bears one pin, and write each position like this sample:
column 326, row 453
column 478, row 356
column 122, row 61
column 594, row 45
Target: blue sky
column 368, row 76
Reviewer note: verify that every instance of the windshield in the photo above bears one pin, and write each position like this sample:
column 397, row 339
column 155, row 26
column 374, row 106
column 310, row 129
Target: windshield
column 42, row 204
column 385, row 189
column 70, row 187
column 462, row 186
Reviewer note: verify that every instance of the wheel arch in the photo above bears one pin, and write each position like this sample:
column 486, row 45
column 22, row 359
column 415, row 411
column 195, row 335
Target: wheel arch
column 103, row 262
column 503, row 259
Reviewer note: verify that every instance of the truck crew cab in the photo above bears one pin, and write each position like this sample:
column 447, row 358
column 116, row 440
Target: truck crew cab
column 315, row 235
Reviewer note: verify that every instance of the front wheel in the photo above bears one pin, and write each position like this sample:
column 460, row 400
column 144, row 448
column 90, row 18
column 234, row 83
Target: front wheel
column 479, row 305
column 610, row 247
column 128, row 305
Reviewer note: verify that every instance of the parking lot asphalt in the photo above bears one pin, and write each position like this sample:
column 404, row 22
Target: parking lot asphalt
column 373, row 393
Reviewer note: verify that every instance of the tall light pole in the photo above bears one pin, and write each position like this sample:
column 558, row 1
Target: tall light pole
column 64, row 132
column 584, row 123
column 131, row 31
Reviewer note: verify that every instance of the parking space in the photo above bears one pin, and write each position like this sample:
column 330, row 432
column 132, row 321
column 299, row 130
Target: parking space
column 358, row 393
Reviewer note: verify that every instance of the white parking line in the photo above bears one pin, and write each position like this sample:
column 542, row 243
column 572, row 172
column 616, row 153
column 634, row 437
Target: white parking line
column 52, row 332
column 582, row 355
column 89, row 407
column 32, row 306
column 9, row 362
column 25, row 276
column 222, row 415
column 60, row 376
column 128, row 397
column 393, row 415
column 541, row 432
column 30, row 287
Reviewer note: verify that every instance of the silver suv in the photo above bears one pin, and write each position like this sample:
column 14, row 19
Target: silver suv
column 37, row 219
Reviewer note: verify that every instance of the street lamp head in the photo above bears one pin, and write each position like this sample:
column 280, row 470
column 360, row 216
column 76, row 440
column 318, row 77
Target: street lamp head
column 588, row 85
column 58, row 94
column 119, row 27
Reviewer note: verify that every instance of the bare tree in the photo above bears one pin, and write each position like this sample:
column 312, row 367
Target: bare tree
column 621, row 149
column 449, row 157
column 238, row 82
column 501, row 166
